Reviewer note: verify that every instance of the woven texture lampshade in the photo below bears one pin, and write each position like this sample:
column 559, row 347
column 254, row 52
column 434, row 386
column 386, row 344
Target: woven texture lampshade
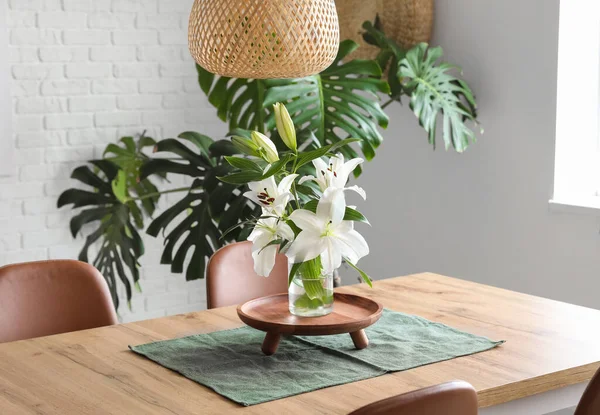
column 264, row 38
column 408, row 22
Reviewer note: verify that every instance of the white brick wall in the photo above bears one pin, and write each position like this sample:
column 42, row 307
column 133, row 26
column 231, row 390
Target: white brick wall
column 86, row 72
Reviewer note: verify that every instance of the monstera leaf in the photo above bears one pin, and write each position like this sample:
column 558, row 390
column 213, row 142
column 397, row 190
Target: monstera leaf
column 120, row 244
column 118, row 199
column 338, row 103
column 199, row 220
column 238, row 101
column 434, row 92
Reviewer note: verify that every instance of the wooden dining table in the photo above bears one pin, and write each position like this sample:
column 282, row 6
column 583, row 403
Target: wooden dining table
column 551, row 352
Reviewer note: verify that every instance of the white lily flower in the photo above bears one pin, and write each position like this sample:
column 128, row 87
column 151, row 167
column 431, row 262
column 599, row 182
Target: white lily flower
column 271, row 196
column 266, row 148
column 266, row 231
column 325, row 233
column 334, row 173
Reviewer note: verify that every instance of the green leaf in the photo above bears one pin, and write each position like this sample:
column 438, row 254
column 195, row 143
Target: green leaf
column 80, row 198
column 340, row 102
column 145, row 141
column 243, row 164
column 85, row 217
column 273, row 242
column 389, row 56
column 306, row 192
column 312, row 206
column 238, row 101
column 363, row 275
column 355, row 215
column 119, row 187
column 343, row 143
column 201, row 141
column 435, row 92
column 187, row 162
column 86, row 176
column 277, row 167
column 350, row 214
column 196, row 231
column 293, row 271
column 236, row 226
column 130, row 159
column 205, row 79
column 305, row 301
column 115, row 240
column 240, row 132
column 241, row 177
column 195, row 225
column 119, row 245
column 174, row 146
column 307, row 157
column 161, row 166
column 311, row 269
column 223, row 148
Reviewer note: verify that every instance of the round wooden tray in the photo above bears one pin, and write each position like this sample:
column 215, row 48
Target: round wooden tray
column 351, row 314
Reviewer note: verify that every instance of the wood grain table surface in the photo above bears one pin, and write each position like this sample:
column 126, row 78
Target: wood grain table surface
column 549, row 345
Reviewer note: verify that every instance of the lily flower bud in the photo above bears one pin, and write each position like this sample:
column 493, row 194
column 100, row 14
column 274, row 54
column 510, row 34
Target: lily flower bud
column 285, row 126
column 245, row 145
column 266, row 147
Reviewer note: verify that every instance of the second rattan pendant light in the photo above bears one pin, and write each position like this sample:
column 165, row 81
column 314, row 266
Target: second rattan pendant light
column 264, row 38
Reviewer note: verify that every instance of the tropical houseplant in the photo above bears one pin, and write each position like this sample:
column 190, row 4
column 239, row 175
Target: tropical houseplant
column 341, row 102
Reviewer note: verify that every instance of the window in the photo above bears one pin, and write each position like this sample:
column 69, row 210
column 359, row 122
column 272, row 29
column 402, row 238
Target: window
column 577, row 159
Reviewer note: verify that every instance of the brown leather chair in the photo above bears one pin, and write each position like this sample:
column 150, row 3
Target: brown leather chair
column 452, row 398
column 590, row 400
column 51, row 297
column 231, row 280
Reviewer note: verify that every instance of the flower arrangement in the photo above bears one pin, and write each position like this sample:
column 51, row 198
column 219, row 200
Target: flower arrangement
column 304, row 216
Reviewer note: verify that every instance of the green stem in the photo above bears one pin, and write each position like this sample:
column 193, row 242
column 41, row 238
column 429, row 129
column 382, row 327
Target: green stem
column 387, row 103
column 321, row 131
column 150, row 195
column 260, row 91
column 294, row 168
column 312, row 270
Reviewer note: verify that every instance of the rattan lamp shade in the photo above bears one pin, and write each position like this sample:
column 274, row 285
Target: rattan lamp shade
column 407, row 22
column 264, row 38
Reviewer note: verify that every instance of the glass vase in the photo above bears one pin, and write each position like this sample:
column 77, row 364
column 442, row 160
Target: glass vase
column 311, row 297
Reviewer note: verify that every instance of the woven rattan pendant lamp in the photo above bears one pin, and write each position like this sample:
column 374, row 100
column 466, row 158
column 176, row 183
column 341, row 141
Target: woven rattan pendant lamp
column 264, row 38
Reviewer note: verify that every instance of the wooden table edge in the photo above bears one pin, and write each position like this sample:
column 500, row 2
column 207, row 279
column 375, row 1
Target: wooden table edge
column 536, row 385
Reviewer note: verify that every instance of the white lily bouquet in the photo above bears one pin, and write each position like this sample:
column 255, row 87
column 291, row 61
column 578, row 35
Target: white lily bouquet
column 304, row 216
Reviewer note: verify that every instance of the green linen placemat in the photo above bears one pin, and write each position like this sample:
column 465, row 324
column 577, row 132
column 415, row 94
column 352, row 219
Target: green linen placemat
column 402, row 341
column 231, row 363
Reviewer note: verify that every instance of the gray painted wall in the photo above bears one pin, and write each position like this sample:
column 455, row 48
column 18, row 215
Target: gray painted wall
column 484, row 215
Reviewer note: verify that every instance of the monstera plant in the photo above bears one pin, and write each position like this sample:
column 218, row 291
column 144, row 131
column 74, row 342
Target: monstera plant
column 331, row 109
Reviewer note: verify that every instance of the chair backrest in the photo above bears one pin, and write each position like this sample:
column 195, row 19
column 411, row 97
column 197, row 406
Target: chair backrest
column 590, row 400
column 51, row 297
column 231, row 280
column 452, row 398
